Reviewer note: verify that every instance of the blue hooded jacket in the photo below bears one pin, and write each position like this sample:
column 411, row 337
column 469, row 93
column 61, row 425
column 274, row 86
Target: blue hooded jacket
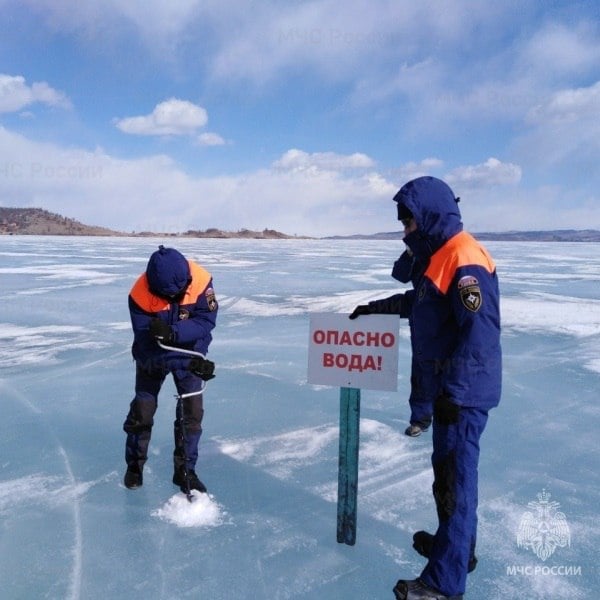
column 455, row 309
column 180, row 293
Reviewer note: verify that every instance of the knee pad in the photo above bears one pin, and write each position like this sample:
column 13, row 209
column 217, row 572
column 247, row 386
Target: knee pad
column 445, row 412
column 141, row 415
column 444, row 486
column 193, row 419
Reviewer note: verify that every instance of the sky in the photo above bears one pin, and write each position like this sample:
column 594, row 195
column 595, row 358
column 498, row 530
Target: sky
column 300, row 116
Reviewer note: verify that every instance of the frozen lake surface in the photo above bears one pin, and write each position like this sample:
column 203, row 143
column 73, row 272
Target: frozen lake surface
column 70, row 529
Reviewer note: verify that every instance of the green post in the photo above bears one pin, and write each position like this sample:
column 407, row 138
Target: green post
column 348, row 465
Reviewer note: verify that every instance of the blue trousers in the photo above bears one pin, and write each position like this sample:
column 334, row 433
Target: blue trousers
column 421, row 404
column 455, row 459
column 421, row 408
column 187, row 427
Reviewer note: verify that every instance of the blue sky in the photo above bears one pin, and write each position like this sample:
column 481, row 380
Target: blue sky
column 301, row 116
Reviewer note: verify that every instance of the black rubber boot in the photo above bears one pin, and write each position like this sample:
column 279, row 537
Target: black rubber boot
column 416, row 589
column 133, row 479
column 191, row 483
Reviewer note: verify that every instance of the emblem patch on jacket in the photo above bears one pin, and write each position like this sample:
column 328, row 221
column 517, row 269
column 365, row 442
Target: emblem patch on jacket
column 470, row 293
column 211, row 299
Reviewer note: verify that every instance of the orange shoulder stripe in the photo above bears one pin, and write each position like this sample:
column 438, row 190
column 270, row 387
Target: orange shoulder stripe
column 459, row 251
column 200, row 279
column 146, row 300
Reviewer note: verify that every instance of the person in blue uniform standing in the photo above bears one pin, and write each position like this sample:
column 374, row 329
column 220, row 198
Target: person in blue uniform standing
column 456, row 317
column 406, row 268
column 172, row 302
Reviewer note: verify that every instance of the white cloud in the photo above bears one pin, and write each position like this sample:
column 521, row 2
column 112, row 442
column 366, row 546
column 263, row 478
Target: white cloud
column 485, row 175
column 560, row 49
column 388, row 44
column 298, row 160
column 411, row 170
column 130, row 195
column 262, row 44
column 171, row 117
column 210, row 139
column 15, row 94
column 568, row 106
column 564, row 134
column 158, row 22
column 366, row 37
column 500, row 99
column 536, row 208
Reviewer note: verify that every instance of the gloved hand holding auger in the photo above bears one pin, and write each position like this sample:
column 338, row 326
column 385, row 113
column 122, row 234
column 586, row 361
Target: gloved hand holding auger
column 203, row 368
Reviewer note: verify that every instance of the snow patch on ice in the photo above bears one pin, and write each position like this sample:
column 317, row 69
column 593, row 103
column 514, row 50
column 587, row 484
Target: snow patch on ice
column 264, row 305
column 22, row 345
column 551, row 314
column 85, row 274
column 281, row 455
column 119, row 326
column 40, row 489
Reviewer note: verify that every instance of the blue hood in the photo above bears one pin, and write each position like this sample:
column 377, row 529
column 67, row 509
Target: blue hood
column 435, row 210
column 168, row 272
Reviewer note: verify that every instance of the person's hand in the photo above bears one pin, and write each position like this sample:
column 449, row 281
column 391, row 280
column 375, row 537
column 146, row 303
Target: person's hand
column 203, row 368
column 161, row 331
column 361, row 309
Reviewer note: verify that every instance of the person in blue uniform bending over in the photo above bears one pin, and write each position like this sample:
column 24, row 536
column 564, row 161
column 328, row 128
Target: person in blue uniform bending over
column 407, row 268
column 173, row 302
column 456, row 318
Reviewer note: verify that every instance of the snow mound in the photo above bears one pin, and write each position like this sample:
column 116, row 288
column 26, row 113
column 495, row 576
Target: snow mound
column 204, row 511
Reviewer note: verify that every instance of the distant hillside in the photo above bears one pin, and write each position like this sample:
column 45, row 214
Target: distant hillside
column 211, row 232
column 265, row 234
column 37, row 221
column 559, row 235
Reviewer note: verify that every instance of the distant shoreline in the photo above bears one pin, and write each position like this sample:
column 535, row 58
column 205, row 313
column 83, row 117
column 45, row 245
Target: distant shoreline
column 37, row 221
column 557, row 235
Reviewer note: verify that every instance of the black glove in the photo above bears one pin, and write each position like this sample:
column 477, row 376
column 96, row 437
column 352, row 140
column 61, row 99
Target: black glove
column 161, row 331
column 203, row 368
column 361, row 309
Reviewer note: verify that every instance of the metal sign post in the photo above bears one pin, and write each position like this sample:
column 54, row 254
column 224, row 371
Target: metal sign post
column 348, row 465
column 362, row 353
